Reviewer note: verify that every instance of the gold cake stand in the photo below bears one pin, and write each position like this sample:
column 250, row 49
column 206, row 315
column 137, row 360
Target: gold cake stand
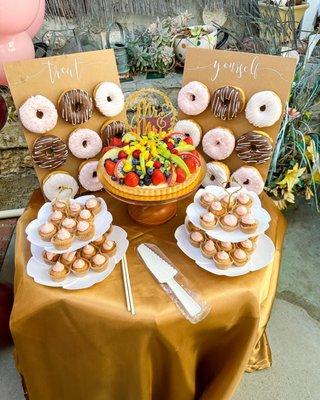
column 151, row 210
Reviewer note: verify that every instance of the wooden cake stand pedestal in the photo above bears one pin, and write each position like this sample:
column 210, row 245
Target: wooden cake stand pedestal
column 152, row 215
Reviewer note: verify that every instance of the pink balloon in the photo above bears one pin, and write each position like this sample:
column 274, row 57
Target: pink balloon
column 17, row 15
column 37, row 23
column 14, row 48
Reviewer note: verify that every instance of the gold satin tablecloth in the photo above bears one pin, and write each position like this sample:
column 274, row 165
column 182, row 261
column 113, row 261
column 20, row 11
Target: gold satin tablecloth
column 81, row 345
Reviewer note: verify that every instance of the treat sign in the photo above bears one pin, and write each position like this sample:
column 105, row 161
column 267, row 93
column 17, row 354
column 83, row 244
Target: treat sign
column 250, row 72
column 52, row 76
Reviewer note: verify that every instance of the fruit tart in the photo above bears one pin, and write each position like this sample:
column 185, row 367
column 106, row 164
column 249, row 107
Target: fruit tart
column 150, row 164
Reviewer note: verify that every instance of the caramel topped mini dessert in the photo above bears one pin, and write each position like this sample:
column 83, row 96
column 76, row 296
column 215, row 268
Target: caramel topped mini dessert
column 239, row 257
column 88, row 251
column 74, row 209
column 208, row 220
column 56, row 217
column 68, row 258
column 85, row 215
column 228, row 201
column 243, row 199
column 47, row 231
column 50, row 258
column 206, row 199
column 222, row 260
column 208, row 248
column 63, row 239
column 69, row 224
column 248, row 223
column 99, row 262
column 109, row 247
column 98, row 242
column 196, row 238
column 93, row 205
column 84, row 230
column 225, row 246
column 229, row 222
column 247, row 245
column 217, row 209
column 240, row 211
column 191, row 227
column 60, row 206
column 80, row 267
column 58, row 272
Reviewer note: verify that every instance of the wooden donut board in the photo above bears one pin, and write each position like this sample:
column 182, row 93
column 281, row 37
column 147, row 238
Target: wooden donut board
column 50, row 77
column 250, row 72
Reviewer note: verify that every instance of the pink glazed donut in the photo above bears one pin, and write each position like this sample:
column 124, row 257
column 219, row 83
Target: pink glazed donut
column 248, row 177
column 84, row 143
column 218, row 143
column 88, row 176
column 193, row 98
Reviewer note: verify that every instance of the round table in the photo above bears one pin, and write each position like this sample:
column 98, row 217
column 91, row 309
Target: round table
column 84, row 344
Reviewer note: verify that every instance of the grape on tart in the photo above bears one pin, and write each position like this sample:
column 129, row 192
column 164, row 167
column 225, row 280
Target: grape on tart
column 150, row 164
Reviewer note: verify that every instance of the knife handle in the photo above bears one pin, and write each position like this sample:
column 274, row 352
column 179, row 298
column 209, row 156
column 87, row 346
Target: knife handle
column 191, row 306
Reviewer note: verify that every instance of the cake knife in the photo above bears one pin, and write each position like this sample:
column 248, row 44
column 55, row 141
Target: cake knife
column 165, row 273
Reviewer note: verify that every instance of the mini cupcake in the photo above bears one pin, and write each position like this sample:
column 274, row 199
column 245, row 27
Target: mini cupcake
column 85, row 215
column 58, row 272
column 109, row 247
column 80, row 267
column 50, row 258
column 68, row 258
column 93, row 205
column 248, row 224
column 191, row 228
column 208, row 220
column 88, row 251
column 69, row 224
column 240, row 257
column 84, row 230
column 47, row 231
column 247, row 245
column 99, row 262
column 228, row 201
column 98, row 242
column 74, row 209
column 60, row 206
column 62, row 240
column 217, row 209
column 196, row 238
column 229, row 222
column 206, row 199
column 243, row 199
column 240, row 211
column 56, row 217
column 226, row 246
column 208, row 248
column 222, row 260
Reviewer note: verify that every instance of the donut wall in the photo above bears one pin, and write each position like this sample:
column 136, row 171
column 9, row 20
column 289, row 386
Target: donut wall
column 238, row 89
column 63, row 110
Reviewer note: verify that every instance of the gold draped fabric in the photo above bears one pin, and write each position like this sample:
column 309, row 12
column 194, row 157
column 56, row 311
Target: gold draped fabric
column 80, row 345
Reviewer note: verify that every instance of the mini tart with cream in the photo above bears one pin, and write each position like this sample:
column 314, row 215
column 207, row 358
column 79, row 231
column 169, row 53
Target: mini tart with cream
column 63, row 239
column 243, row 199
column 248, row 224
column 93, row 205
column 108, row 247
column 226, row 246
column 56, row 217
column 85, row 215
column 208, row 220
column 98, row 242
column 80, row 266
column 47, row 231
column 58, row 272
column 217, row 208
column 69, row 224
column 99, row 262
column 229, row 222
column 222, row 260
column 84, row 230
column 68, row 258
column 88, row 251
column 239, row 257
column 247, row 245
column 240, row 211
column 206, row 199
column 74, row 209
column 50, row 258
column 208, row 248
column 196, row 238
column 60, row 206
column 191, row 227
column 228, row 201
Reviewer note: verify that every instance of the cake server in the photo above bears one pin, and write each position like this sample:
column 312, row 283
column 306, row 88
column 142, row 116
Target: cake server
column 165, row 273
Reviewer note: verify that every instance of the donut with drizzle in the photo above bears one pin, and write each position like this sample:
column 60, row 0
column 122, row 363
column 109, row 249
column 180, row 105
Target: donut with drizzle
column 49, row 152
column 227, row 102
column 254, row 147
column 110, row 129
column 75, row 106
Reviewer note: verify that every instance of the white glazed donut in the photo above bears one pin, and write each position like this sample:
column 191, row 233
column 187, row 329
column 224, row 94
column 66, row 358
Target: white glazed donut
column 109, row 98
column 189, row 128
column 38, row 114
column 218, row 143
column 217, row 174
column 84, row 143
column 193, row 98
column 249, row 178
column 59, row 184
column 264, row 109
column 88, row 176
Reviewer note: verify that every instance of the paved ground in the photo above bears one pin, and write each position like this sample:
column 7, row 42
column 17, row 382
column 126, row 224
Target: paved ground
column 294, row 329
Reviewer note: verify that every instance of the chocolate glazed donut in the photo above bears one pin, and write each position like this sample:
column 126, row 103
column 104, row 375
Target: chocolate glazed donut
column 227, row 102
column 49, row 152
column 254, row 147
column 75, row 106
column 110, row 129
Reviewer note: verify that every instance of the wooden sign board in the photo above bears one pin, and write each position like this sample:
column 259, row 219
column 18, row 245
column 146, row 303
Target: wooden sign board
column 250, row 72
column 53, row 75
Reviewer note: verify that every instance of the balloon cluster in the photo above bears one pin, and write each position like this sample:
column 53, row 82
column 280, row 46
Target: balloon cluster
column 20, row 20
